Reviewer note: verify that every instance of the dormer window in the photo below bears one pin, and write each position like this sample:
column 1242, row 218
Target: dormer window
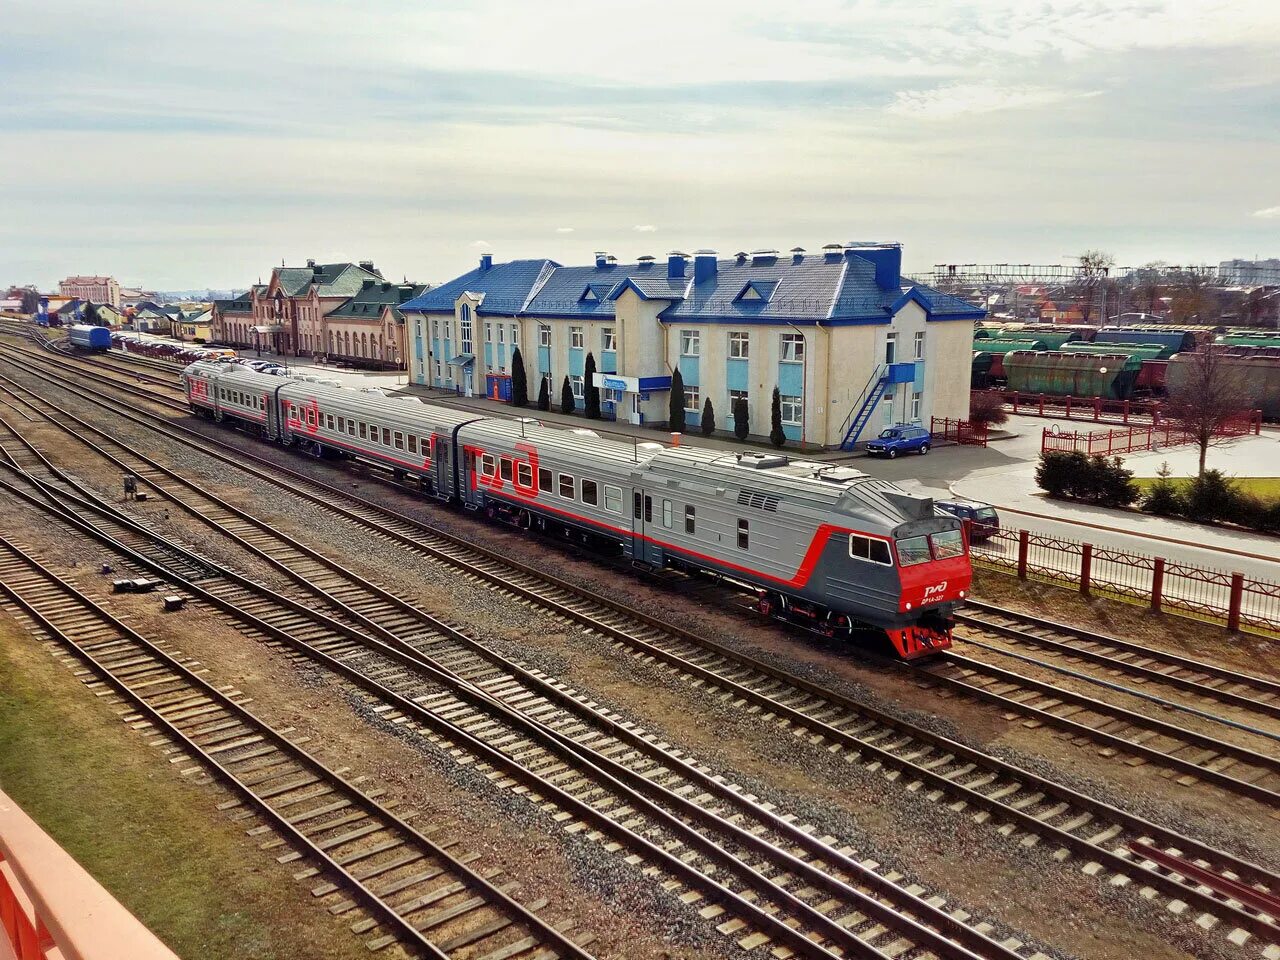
column 757, row 291
column 589, row 296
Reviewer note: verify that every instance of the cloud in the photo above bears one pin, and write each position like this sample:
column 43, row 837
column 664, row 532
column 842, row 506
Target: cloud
column 1268, row 213
column 564, row 229
column 480, row 243
column 970, row 98
column 645, row 228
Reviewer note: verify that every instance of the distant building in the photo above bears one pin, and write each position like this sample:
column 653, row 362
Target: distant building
column 1250, row 273
column 849, row 342
column 97, row 289
column 132, row 296
column 287, row 313
column 196, row 326
column 368, row 330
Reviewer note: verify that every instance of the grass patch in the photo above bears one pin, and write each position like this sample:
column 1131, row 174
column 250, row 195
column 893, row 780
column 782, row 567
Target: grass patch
column 156, row 842
column 1265, row 488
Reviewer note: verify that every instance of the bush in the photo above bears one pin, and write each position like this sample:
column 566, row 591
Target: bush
column 987, row 407
column 708, row 423
column 1059, row 471
column 1211, row 497
column 1163, row 499
column 1248, row 510
column 741, row 419
column 1092, row 479
column 591, row 393
column 567, row 400
column 1271, row 517
column 544, row 395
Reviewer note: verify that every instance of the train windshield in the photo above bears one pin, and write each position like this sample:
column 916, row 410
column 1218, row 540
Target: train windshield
column 913, row 550
column 947, row 544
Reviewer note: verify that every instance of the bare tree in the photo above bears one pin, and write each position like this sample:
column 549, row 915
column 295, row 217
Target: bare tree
column 1210, row 393
column 1148, row 286
column 1095, row 266
column 1191, row 300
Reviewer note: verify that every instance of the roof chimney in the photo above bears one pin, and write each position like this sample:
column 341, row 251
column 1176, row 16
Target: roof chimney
column 366, row 283
column 831, row 252
column 486, row 262
column 645, row 260
column 885, row 257
column 367, row 265
column 675, row 265
column 311, row 263
column 740, row 257
column 601, row 258
column 797, row 254
column 704, row 266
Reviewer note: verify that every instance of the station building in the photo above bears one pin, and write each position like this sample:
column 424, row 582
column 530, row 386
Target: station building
column 848, row 341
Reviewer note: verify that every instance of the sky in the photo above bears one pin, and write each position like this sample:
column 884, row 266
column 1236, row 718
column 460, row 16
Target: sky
column 180, row 145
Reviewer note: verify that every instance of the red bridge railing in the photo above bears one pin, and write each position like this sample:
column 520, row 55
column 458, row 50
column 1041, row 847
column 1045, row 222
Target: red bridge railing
column 51, row 909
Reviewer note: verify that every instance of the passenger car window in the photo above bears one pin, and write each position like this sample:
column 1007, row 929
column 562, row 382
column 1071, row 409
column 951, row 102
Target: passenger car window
column 666, row 514
column 744, row 535
column 544, row 479
column 504, row 467
column 612, row 498
column 567, row 487
column 870, row 549
column 688, row 519
column 590, row 492
column 524, row 475
column 487, row 465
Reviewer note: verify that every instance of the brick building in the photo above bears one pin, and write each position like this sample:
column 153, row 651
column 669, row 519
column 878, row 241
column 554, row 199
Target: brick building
column 97, row 289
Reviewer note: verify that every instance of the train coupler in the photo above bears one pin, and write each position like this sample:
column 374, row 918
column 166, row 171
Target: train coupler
column 920, row 640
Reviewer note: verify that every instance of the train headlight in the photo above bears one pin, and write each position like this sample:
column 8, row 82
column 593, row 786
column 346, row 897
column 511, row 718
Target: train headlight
column 908, row 605
column 962, row 593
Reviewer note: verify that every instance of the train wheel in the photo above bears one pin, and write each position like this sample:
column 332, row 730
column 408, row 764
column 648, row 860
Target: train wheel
column 491, row 512
column 767, row 606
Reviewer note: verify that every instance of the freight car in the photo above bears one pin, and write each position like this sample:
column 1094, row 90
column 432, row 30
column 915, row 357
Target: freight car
column 827, row 547
column 1059, row 374
column 85, row 337
column 1258, row 376
column 1175, row 340
column 998, row 347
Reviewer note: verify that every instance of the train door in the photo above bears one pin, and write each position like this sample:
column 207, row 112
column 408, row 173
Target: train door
column 442, row 467
column 645, row 550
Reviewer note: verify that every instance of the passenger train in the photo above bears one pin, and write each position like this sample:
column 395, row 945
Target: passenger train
column 825, row 546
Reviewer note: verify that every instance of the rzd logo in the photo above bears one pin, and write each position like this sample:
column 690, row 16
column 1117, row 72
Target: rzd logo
column 935, row 592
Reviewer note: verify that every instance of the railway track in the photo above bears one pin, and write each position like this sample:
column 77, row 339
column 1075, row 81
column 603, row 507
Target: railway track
column 1212, row 684
column 492, row 701
column 392, row 882
column 1126, row 847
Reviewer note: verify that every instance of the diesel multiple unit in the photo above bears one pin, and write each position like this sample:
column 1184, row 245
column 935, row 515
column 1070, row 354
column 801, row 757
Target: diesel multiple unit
column 825, row 546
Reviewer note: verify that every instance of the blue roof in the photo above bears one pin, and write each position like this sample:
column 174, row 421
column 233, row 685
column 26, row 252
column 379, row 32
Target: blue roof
column 506, row 288
column 840, row 287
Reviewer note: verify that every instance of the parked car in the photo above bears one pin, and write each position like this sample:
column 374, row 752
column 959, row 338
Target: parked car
column 984, row 522
column 902, row 438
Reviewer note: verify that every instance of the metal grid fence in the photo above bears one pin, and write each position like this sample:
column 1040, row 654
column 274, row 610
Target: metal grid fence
column 1233, row 599
column 1137, row 438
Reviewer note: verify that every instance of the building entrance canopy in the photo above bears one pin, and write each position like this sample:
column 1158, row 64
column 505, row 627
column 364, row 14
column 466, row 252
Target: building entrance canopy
column 269, row 328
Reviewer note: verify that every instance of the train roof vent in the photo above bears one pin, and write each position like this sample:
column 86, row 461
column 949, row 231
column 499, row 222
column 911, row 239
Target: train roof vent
column 763, row 461
column 761, row 501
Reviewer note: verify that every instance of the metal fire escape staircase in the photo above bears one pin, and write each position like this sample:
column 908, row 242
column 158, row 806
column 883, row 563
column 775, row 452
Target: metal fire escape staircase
column 882, row 377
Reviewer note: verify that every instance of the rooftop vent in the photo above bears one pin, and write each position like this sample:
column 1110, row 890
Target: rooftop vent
column 797, row 254
column 646, row 259
column 676, row 262
column 763, row 461
column 763, row 255
column 832, row 252
column 486, row 262
column 311, row 263
column 740, row 257
column 704, row 266
column 367, row 265
column 601, row 258
column 761, row 501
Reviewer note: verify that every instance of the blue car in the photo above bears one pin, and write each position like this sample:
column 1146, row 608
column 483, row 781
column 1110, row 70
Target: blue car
column 902, row 438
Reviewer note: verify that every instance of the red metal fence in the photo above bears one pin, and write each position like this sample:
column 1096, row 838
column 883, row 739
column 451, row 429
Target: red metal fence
column 1133, row 439
column 959, row 431
column 1232, row 599
column 1097, row 409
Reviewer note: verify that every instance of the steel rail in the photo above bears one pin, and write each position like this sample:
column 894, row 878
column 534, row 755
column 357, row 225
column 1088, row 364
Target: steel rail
column 706, row 781
column 279, row 822
column 759, row 917
column 1116, row 863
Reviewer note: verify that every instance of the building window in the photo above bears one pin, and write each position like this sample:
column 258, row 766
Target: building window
column 691, row 398
column 606, row 339
column 567, row 487
column 792, row 348
column 435, row 329
column 488, row 332
column 890, row 347
column 544, row 335
column 690, row 343
column 465, row 326
column 689, row 519
column 515, row 335
column 744, row 535
column 576, row 385
column 577, row 339
column 502, row 333
column 739, row 345
column 792, row 409
column 919, row 351
column 915, row 407
column 590, row 493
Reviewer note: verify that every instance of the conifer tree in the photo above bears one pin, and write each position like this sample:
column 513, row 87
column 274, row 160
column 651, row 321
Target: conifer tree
column 708, row 424
column 519, row 381
column 776, row 435
column 567, row 402
column 675, row 412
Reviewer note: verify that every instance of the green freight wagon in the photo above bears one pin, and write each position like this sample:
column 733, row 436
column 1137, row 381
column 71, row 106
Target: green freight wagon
column 999, row 347
column 1080, row 374
column 980, row 379
column 1144, row 351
